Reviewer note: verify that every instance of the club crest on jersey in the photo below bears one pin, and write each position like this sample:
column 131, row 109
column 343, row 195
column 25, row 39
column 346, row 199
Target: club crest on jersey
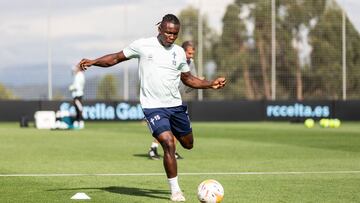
column 174, row 61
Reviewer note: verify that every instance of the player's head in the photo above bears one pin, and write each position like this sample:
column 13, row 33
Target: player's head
column 169, row 28
column 189, row 49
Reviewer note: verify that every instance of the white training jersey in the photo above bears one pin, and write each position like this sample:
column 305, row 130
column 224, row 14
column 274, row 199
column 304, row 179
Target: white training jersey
column 77, row 87
column 159, row 72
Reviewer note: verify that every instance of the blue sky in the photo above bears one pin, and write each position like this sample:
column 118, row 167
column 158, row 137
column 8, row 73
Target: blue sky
column 79, row 28
column 87, row 28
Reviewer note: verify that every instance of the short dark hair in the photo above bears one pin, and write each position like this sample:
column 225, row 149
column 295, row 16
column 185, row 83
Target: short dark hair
column 187, row 44
column 169, row 18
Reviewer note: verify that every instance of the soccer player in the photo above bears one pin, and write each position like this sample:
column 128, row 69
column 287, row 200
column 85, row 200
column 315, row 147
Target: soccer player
column 77, row 92
column 161, row 66
column 189, row 49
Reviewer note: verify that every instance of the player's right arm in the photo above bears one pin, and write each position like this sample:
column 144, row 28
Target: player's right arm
column 104, row 61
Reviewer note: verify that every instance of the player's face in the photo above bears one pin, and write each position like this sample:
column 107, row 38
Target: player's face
column 190, row 51
column 168, row 33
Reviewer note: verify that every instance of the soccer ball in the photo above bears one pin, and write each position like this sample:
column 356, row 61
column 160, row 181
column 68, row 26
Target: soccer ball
column 210, row 191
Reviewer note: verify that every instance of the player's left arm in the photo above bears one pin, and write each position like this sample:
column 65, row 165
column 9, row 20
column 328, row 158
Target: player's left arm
column 190, row 80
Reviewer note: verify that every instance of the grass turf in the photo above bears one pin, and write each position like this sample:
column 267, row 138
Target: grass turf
column 121, row 148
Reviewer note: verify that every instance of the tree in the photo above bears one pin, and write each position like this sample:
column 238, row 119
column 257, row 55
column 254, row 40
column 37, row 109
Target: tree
column 352, row 61
column 298, row 17
column 189, row 31
column 261, row 14
column 107, row 88
column 5, row 93
column 189, row 18
column 244, row 57
column 292, row 18
column 326, row 57
column 231, row 55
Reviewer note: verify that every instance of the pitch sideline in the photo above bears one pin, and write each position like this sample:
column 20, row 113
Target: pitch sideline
column 183, row 174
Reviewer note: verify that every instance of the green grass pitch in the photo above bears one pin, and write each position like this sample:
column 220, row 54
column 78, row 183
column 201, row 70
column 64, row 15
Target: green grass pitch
column 254, row 161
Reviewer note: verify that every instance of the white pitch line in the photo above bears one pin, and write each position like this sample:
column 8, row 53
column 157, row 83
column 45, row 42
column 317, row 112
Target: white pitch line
column 184, row 174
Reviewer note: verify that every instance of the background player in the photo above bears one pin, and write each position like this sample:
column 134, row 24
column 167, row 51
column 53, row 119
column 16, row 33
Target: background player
column 77, row 92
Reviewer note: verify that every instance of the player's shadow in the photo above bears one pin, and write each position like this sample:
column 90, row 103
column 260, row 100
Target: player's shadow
column 131, row 191
column 159, row 194
column 143, row 156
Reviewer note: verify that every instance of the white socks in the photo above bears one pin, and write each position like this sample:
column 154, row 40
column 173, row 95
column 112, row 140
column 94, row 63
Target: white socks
column 174, row 185
column 154, row 145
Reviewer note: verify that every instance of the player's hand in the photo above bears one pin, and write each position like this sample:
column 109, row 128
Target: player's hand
column 218, row 83
column 85, row 63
